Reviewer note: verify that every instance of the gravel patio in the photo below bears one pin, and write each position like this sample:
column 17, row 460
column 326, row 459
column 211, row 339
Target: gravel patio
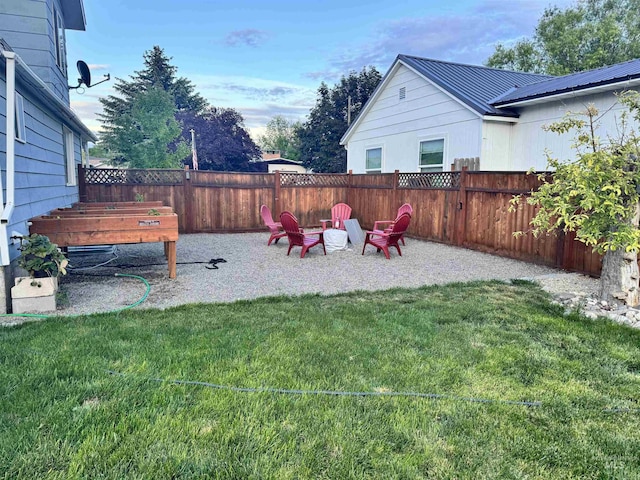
column 252, row 269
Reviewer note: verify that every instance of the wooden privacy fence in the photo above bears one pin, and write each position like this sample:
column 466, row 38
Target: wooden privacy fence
column 467, row 208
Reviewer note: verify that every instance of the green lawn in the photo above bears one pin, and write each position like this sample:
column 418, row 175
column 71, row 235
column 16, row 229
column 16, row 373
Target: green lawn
column 63, row 415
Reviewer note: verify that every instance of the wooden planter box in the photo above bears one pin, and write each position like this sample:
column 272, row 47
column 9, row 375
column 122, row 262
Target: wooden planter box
column 114, row 227
column 102, row 212
column 115, row 205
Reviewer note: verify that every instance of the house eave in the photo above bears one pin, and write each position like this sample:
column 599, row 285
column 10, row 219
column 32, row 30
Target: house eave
column 577, row 92
column 385, row 80
column 471, row 106
column 499, row 118
column 41, row 91
column 73, row 13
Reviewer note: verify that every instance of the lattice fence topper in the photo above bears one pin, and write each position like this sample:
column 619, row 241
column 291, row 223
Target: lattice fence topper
column 115, row 176
column 313, row 180
column 429, row 180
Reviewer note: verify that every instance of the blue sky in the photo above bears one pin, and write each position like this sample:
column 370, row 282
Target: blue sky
column 268, row 57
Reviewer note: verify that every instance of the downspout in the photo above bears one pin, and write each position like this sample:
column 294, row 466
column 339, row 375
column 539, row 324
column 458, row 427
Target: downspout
column 85, row 160
column 7, row 207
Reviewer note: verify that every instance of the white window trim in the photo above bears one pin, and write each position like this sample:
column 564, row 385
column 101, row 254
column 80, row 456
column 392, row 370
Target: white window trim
column 68, row 138
column 445, row 147
column 21, row 130
column 374, row 170
column 60, row 40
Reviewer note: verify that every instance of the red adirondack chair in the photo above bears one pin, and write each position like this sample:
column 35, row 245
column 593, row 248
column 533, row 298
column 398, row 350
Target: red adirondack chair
column 339, row 213
column 383, row 240
column 299, row 238
column 379, row 225
column 274, row 227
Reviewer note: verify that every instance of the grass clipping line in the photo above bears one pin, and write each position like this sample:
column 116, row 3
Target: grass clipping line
column 332, row 392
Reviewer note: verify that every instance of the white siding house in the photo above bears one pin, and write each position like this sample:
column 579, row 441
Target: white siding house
column 408, row 112
column 529, row 142
column 426, row 113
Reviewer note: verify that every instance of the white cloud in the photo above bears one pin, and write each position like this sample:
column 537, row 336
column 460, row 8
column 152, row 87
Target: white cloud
column 466, row 36
column 250, row 37
column 258, row 99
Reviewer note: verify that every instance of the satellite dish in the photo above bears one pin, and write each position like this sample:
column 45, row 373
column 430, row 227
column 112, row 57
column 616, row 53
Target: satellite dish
column 85, row 76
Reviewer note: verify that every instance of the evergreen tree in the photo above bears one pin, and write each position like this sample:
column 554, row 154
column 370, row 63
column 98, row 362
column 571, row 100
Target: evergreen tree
column 158, row 72
column 146, row 135
column 319, row 137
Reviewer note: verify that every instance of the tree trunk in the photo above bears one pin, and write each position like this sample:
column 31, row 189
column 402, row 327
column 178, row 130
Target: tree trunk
column 619, row 277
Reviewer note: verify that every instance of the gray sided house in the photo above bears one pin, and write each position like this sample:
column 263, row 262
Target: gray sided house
column 427, row 113
column 41, row 138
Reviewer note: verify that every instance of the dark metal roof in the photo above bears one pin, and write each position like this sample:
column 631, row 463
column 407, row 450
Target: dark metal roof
column 474, row 85
column 574, row 82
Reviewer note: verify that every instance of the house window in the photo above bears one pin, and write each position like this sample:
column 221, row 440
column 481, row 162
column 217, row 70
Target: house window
column 374, row 160
column 402, row 93
column 432, row 155
column 21, row 131
column 61, row 54
column 69, row 156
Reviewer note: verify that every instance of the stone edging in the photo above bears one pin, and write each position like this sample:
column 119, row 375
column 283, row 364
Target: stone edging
column 593, row 308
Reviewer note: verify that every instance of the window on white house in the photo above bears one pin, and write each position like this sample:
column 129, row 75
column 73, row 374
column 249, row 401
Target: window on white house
column 69, row 156
column 21, row 131
column 374, row 160
column 432, row 155
column 61, row 54
column 402, row 93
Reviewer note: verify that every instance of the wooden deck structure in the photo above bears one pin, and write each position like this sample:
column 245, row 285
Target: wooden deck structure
column 112, row 223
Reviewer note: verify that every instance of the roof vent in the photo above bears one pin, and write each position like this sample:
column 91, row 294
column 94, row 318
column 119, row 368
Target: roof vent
column 402, row 93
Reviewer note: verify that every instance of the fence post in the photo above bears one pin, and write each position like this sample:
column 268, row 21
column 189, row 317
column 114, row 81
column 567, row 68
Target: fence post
column 82, row 186
column 189, row 207
column 276, row 194
column 461, row 209
column 349, row 177
column 396, row 192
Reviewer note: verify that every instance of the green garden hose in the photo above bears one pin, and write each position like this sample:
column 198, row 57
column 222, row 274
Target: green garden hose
column 39, row 315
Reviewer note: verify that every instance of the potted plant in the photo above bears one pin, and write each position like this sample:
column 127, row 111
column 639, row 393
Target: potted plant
column 41, row 258
column 44, row 262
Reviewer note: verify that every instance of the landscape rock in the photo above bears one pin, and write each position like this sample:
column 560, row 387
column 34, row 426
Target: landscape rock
column 592, row 308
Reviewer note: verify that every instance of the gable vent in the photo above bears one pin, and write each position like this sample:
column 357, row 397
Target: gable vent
column 402, row 93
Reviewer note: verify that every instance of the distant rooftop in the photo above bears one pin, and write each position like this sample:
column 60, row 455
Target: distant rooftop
column 274, row 156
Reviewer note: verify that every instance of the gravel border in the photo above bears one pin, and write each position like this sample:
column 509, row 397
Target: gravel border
column 253, row 269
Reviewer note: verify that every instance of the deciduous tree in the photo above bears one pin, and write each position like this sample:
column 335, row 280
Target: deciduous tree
column 319, row 137
column 281, row 135
column 222, row 141
column 587, row 35
column 596, row 196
